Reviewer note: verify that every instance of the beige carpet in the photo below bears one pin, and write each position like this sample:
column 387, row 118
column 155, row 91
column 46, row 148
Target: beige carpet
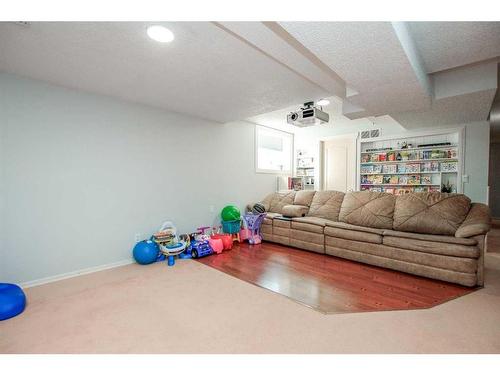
column 192, row 308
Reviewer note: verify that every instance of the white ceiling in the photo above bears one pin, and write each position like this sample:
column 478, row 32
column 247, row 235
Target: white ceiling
column 369, row 57
column 233, row 71
column 205, row 72
column 445, row 45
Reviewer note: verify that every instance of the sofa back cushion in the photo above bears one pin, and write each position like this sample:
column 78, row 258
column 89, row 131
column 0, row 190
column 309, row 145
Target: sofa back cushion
column 304, row 197
column 278, row 200
column 368, row 209
column 430, row 213
column 326, row 205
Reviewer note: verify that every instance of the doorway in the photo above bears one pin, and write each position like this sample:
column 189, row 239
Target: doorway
column 338, row 169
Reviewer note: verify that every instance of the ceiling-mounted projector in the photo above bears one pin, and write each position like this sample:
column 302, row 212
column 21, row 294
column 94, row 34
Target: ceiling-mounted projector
column 307, row 116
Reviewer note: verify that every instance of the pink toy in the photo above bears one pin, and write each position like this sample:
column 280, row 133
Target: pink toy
column 216, row 245
column 226, row 239
column 245, row 234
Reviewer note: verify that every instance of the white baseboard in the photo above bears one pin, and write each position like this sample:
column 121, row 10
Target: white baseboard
column 68, row 275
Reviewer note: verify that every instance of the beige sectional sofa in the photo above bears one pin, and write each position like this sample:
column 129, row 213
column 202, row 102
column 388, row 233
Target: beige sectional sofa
column 436, row 235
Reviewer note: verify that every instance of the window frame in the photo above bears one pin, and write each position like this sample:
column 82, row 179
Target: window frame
column 256, row 152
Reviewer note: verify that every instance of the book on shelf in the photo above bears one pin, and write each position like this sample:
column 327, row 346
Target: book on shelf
column 413, row 180
column 367, row 169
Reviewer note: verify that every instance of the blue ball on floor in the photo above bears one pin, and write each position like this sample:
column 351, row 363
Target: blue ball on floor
column 12, row 301
column 146, row 252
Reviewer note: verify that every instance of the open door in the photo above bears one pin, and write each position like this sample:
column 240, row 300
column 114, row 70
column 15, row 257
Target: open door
column 339, row 163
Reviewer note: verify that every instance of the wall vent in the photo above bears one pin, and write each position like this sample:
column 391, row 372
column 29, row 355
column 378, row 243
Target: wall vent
column 367, row 134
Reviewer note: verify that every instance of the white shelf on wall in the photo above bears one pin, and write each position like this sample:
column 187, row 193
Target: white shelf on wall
column 304, row 168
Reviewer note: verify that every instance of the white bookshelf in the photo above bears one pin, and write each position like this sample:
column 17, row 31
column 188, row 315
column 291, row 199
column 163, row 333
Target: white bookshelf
column 397, row 164
column 305, row 168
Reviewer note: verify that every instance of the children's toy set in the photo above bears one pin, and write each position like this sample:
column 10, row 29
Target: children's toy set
column 167, row 244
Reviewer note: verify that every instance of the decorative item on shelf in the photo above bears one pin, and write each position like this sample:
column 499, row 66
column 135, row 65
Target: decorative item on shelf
column 449, row 167
column 425, row 180
column 295, row 183
column 447, row 188
column 377, row 168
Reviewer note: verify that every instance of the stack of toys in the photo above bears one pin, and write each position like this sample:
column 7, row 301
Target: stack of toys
column 231, row 222
column 166, row 244
column 169, row 243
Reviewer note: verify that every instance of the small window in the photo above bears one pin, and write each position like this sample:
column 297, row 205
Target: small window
column 273, row 150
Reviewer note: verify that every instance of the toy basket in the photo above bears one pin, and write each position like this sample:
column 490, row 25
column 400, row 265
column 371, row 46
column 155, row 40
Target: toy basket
column 231, row 227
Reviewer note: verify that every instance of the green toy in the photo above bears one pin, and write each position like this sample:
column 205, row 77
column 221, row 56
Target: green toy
column 230, row 213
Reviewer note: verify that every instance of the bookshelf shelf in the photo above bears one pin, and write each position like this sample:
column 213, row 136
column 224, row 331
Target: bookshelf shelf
column 435, row 167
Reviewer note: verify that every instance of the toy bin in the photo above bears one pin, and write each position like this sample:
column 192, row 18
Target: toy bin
column 231, row 227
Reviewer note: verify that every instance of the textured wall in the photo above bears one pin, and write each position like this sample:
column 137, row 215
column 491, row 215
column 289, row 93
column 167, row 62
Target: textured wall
column 82, row 174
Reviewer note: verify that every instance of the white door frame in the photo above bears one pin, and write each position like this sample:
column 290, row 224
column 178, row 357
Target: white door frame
column 321, row 152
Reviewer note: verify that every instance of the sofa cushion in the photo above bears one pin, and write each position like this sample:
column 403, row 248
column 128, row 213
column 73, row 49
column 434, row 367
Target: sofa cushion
column 477, row 222
column 432, row 247
column 463, row 278
column 282, row 222
column 354, row 235
column 338, row 224
column 326, row 205
column 305, row 245
column 269, row 217
column 304, row 197
column 309, row 224
column 432, row 237
column 278, row 200
column 368, row 209
column 457, row 264
column 431, row 213
column 294, row 210
column 315, row 238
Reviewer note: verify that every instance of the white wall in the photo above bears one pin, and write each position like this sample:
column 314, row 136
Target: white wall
column 82, row 174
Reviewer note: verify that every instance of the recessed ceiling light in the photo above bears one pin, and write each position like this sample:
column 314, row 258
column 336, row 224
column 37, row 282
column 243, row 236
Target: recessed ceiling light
column 323, row 102
column 160, row 34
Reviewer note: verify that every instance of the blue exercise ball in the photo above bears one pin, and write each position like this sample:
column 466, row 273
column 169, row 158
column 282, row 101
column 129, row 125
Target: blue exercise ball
column 12, row 301
column 146, row 252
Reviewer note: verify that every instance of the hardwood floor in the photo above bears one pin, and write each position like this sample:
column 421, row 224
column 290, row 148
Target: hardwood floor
column 330, row 284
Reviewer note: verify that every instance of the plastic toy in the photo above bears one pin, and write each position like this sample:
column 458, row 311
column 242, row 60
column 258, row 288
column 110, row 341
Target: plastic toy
column 146, row 252
column 258, row 208
column 227, row 240
column 253, row 223
column 12, row 301
column 200, row 249
column 216, row 245
column 169, row 243
column 230, row 213
column 200, row 246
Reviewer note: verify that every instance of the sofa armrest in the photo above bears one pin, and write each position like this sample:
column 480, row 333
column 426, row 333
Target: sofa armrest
column 477, row 222
column 294, row 210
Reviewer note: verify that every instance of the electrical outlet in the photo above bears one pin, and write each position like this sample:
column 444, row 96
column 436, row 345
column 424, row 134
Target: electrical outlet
column 137, row 237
